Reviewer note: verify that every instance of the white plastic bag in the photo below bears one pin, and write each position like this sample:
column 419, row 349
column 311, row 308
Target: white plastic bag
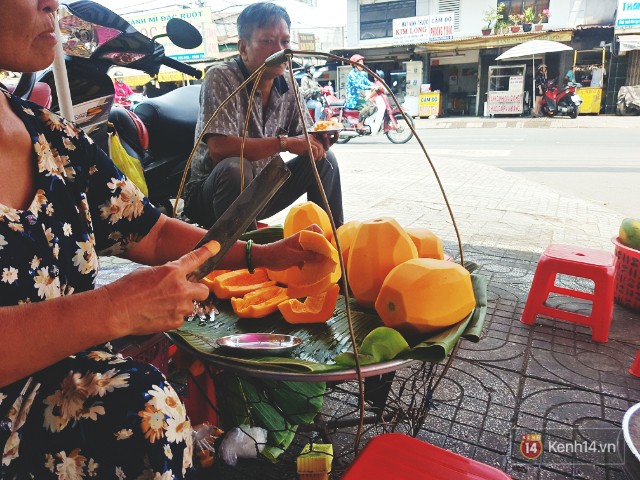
column 242, row 442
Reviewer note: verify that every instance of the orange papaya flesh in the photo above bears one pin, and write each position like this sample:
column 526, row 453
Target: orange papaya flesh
column 305, row 214
column 259, row 303
column 315, row 288
column 315, row 309
column 346, row 233
column 238, row 283
column 279, row 276
column 313, row 271
column 424, row 295
column 428, row 244
column 208, row 280
column 378, row 246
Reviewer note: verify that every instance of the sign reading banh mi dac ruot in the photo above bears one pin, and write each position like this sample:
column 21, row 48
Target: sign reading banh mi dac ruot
column 428, row 28
column 154, row 23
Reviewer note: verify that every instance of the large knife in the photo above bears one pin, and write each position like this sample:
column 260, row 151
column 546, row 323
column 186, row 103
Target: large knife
column 244, row 210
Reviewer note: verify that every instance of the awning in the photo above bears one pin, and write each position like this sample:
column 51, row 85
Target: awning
column 495, row 41
column 629, row 42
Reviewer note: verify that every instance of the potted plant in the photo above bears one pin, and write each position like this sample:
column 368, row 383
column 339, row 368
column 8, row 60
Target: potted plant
column 491, row 16
column 542, row 16
column 527, row 19
column 515, row 21
column 501, row 27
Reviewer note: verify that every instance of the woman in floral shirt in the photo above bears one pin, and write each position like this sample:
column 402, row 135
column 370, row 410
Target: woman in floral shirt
column 70, row 409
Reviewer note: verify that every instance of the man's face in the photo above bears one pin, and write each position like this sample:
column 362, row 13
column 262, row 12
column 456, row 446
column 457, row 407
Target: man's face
column 265, row 42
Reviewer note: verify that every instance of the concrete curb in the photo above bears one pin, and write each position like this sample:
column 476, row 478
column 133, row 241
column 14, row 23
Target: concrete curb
column 590, row 121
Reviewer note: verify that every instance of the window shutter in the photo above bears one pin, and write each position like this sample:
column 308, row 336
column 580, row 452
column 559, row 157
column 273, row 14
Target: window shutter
column 447, row 6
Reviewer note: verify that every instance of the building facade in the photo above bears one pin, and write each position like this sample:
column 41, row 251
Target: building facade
column 440, row 43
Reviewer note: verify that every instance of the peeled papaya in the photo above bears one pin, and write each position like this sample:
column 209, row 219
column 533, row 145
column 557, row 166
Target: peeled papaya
column 304, row 214
column 259, row 303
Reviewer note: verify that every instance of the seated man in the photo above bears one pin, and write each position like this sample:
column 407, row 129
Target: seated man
column 359, row 89
column 275, row 126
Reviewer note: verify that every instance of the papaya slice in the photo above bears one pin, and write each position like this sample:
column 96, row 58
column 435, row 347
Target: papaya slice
column 308, row 289
column 304, row 214
column 315, row 309
column 208, row 280
column 238, row 283
column 311, row 272
column 259, row 303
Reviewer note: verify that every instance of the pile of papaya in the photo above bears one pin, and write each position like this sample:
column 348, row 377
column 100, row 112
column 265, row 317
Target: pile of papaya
column 401, row 273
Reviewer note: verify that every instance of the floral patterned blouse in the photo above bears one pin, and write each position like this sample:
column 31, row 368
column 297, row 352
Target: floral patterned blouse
column 82, row 206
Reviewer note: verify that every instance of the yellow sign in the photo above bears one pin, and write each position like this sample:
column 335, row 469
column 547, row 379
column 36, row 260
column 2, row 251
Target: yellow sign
column 307, row 42
column 429, row 104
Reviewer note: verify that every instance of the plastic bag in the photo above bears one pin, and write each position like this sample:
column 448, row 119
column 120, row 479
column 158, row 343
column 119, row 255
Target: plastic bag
column 127, row 164
column 242, row 442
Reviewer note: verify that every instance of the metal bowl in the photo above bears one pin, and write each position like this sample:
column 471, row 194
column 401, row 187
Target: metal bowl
column 259, row 343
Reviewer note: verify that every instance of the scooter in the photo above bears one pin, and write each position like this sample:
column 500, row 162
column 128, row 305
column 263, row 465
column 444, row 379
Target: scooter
column 94, row 40
column 628, row 100
column 560, row 102
column 386, row 119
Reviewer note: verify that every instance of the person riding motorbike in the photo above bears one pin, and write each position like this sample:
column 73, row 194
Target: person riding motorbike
column 359, row 90
column 310, row 90
column 122, row 90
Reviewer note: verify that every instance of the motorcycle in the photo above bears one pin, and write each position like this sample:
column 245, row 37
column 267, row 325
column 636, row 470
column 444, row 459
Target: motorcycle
column 561, row 102
column 386, row 119
column 94, row 40
column 628, row 100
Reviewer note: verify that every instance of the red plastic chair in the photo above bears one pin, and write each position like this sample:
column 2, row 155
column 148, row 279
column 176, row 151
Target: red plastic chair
column 635, row 368
column 580, row 262
column 400, row 457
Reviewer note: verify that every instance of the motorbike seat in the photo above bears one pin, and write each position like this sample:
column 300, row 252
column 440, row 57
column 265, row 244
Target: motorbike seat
column 339, row 103
column 131, row 130
column 171, row 120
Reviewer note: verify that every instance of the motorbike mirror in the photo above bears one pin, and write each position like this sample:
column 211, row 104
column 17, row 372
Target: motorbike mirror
column 183, row 34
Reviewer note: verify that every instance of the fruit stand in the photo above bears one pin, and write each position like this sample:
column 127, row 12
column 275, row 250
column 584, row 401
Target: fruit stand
column 506, row 90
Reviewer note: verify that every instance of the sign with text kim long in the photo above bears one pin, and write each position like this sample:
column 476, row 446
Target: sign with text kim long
column 424, row 29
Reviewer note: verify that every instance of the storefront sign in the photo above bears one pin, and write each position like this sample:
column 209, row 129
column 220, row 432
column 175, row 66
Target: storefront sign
column 429, row 28
column 496, row 41
column 628, row 15
column 429, row 104
column 504, row 103
column 152, row 24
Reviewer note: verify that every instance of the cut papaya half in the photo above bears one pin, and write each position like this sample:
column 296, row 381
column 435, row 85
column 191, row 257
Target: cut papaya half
column 238, row 283
column 208, row 280
column 308, row 289
column 315, row 309
column 259, row 303
column 312, row 271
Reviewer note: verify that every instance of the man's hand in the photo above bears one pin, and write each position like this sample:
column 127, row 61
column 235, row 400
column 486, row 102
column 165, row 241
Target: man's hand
column 298, row 145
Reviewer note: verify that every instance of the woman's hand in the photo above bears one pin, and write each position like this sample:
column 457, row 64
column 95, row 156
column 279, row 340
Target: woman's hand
column 155, row 299
column 284, row 253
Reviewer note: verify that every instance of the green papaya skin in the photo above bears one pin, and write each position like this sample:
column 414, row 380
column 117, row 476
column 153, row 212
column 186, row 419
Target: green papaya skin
column 630, row 233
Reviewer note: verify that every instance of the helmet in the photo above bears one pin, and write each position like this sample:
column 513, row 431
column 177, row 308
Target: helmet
column 118, row 74
column 356, row 58
column 307, row 66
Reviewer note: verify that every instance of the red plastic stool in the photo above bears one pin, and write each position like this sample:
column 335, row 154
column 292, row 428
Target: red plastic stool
column 399, row 457
column 635, row 368
column 595, row 265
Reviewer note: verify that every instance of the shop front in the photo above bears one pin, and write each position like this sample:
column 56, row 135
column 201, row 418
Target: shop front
column 588, row 72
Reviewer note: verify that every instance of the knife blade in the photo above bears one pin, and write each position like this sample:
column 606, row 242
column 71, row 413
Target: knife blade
column 244, row 210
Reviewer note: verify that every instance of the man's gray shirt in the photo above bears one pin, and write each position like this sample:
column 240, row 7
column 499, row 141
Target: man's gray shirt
column 280, row 117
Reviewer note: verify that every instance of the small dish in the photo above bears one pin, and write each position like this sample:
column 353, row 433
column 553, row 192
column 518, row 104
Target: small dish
column 260, row 343
column 338, row 128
